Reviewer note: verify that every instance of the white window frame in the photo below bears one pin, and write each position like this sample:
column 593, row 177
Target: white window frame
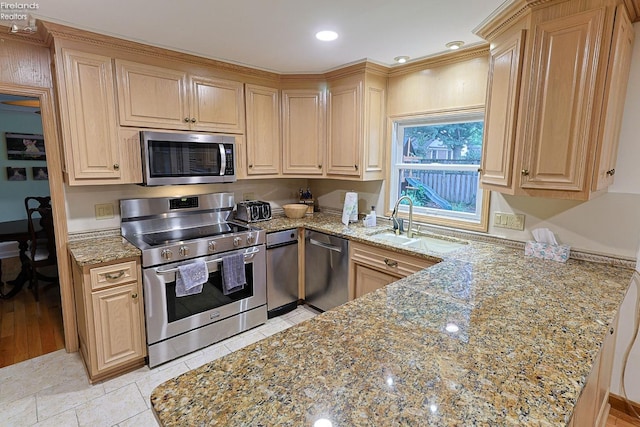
column 477, row 221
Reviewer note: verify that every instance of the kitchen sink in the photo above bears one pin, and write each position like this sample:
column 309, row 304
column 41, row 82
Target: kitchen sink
column 421, row 242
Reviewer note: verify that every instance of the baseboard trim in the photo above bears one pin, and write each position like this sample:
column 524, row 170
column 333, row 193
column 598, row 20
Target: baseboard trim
column 619, row 404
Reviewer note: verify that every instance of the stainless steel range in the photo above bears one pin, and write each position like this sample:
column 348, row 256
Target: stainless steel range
column 177, row 231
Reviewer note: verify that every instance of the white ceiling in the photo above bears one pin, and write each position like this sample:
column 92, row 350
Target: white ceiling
column 278, row 35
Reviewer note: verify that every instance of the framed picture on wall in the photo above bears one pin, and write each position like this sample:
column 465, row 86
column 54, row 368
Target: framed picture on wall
column 25, row 146
column 40, row 173
column 16, row 174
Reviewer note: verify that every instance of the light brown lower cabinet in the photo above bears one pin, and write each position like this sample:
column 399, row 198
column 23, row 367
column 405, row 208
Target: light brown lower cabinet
column 592, row 408
column 110, row 317
column 371, row 268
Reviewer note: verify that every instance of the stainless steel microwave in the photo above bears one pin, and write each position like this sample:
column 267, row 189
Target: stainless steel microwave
column 187, row 158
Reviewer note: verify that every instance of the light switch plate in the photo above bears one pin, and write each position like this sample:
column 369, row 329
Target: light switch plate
column 104, row 211
column 509, row 220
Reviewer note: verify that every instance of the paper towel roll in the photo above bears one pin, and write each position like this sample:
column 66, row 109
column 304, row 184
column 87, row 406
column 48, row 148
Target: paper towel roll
column 350, row 209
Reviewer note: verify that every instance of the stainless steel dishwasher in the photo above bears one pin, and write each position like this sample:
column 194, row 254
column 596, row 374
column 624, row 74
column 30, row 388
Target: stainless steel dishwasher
column 282, row 272
column 326, row 270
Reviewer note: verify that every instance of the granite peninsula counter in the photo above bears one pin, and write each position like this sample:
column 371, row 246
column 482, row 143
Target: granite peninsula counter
column 527, row 332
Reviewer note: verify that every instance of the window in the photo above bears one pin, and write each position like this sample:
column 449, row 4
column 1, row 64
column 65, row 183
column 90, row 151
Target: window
column 435, row 161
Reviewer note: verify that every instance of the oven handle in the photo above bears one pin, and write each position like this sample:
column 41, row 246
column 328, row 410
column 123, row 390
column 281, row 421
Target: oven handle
column 248, row 255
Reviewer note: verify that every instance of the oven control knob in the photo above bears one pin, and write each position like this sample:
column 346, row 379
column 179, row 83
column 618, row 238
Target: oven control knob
column 183, row 251
column 167, row 254
column 212, row 246
column 236, row 241
column 250, row 239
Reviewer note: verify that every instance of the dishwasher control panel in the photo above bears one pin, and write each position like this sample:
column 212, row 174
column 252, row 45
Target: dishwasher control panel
column 280, row 237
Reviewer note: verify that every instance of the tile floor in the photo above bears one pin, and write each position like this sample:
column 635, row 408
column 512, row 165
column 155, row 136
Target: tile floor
column 53, row 390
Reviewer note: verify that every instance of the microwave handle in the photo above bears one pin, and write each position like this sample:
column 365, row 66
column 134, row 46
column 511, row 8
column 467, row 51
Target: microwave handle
column 223, row 159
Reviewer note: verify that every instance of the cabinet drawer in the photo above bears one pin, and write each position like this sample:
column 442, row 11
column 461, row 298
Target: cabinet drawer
column 116, row 274
column 391, row 262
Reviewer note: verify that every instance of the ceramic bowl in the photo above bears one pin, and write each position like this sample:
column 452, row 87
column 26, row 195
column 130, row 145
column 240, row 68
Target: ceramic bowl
column 295, row 210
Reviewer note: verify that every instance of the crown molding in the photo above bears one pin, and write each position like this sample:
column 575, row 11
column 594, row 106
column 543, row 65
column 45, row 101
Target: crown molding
column 58, row 31
column 508, row 13
column 480, row 50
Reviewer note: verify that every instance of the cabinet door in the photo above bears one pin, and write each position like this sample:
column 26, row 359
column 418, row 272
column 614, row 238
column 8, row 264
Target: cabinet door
column 345, row 130
column 373, row 166
column 368, row 280
column 117, row 315
column 263, row 130
column 90, row 123
column 151, row 96
column 615, row 93
column 217, row 105
column 561, row 94
column 503, row 91
column 303, row 131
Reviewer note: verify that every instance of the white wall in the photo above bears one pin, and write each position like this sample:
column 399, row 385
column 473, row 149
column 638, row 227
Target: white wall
column 81, row 201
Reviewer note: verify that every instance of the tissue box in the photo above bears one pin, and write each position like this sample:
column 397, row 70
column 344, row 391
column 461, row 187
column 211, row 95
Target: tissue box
column 558, row 253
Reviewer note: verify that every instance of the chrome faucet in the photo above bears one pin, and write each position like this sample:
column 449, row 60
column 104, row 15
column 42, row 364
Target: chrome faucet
column 394, row 216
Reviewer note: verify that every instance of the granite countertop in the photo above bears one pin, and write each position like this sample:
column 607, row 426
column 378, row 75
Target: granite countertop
column 485, row 337
column 103, row 249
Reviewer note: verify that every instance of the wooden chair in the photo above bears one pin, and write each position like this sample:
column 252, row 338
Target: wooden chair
column 42, row 247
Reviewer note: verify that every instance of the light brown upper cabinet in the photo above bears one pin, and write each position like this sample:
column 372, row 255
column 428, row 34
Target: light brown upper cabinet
column 157, row 97
column 356, row 123
column 303, row 131
column 556, row 90
column 96, row 150
column 263, row 150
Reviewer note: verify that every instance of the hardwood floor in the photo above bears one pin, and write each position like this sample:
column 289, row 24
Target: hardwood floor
column 28, row 328
column 620, row 419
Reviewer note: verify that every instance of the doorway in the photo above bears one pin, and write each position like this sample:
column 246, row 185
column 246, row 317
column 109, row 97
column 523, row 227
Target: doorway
column 28, row 328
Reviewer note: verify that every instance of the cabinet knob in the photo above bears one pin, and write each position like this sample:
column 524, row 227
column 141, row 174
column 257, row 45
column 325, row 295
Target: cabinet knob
column 250, row 166
column 134, row 296
column 390, row 262
column 186, row 119
column 525, row 172
column 611, row 331
column 611, row 172
column 116, row 167
column 193, row 120
column 319, row 166
column 479, row 170
column 355, row 166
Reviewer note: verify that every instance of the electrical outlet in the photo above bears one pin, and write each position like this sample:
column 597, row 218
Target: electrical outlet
column 511, row 221
column 104, row 211
column 248, row 196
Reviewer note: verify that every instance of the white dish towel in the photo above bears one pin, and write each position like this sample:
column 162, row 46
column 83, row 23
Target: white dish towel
column 190, row 278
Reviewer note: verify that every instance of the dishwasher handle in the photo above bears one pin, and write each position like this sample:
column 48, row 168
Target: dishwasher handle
column 279, row 245
column 326, row 245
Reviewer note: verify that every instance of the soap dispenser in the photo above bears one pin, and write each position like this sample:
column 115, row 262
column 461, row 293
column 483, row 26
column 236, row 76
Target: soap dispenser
column 372, row 215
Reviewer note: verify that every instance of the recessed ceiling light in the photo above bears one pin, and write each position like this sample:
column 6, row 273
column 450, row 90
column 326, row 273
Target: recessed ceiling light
column 401, row 59
column 326, row 36
column 454, row 45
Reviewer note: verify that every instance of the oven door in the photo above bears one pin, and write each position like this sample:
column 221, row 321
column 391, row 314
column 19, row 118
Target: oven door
column 168, row 316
